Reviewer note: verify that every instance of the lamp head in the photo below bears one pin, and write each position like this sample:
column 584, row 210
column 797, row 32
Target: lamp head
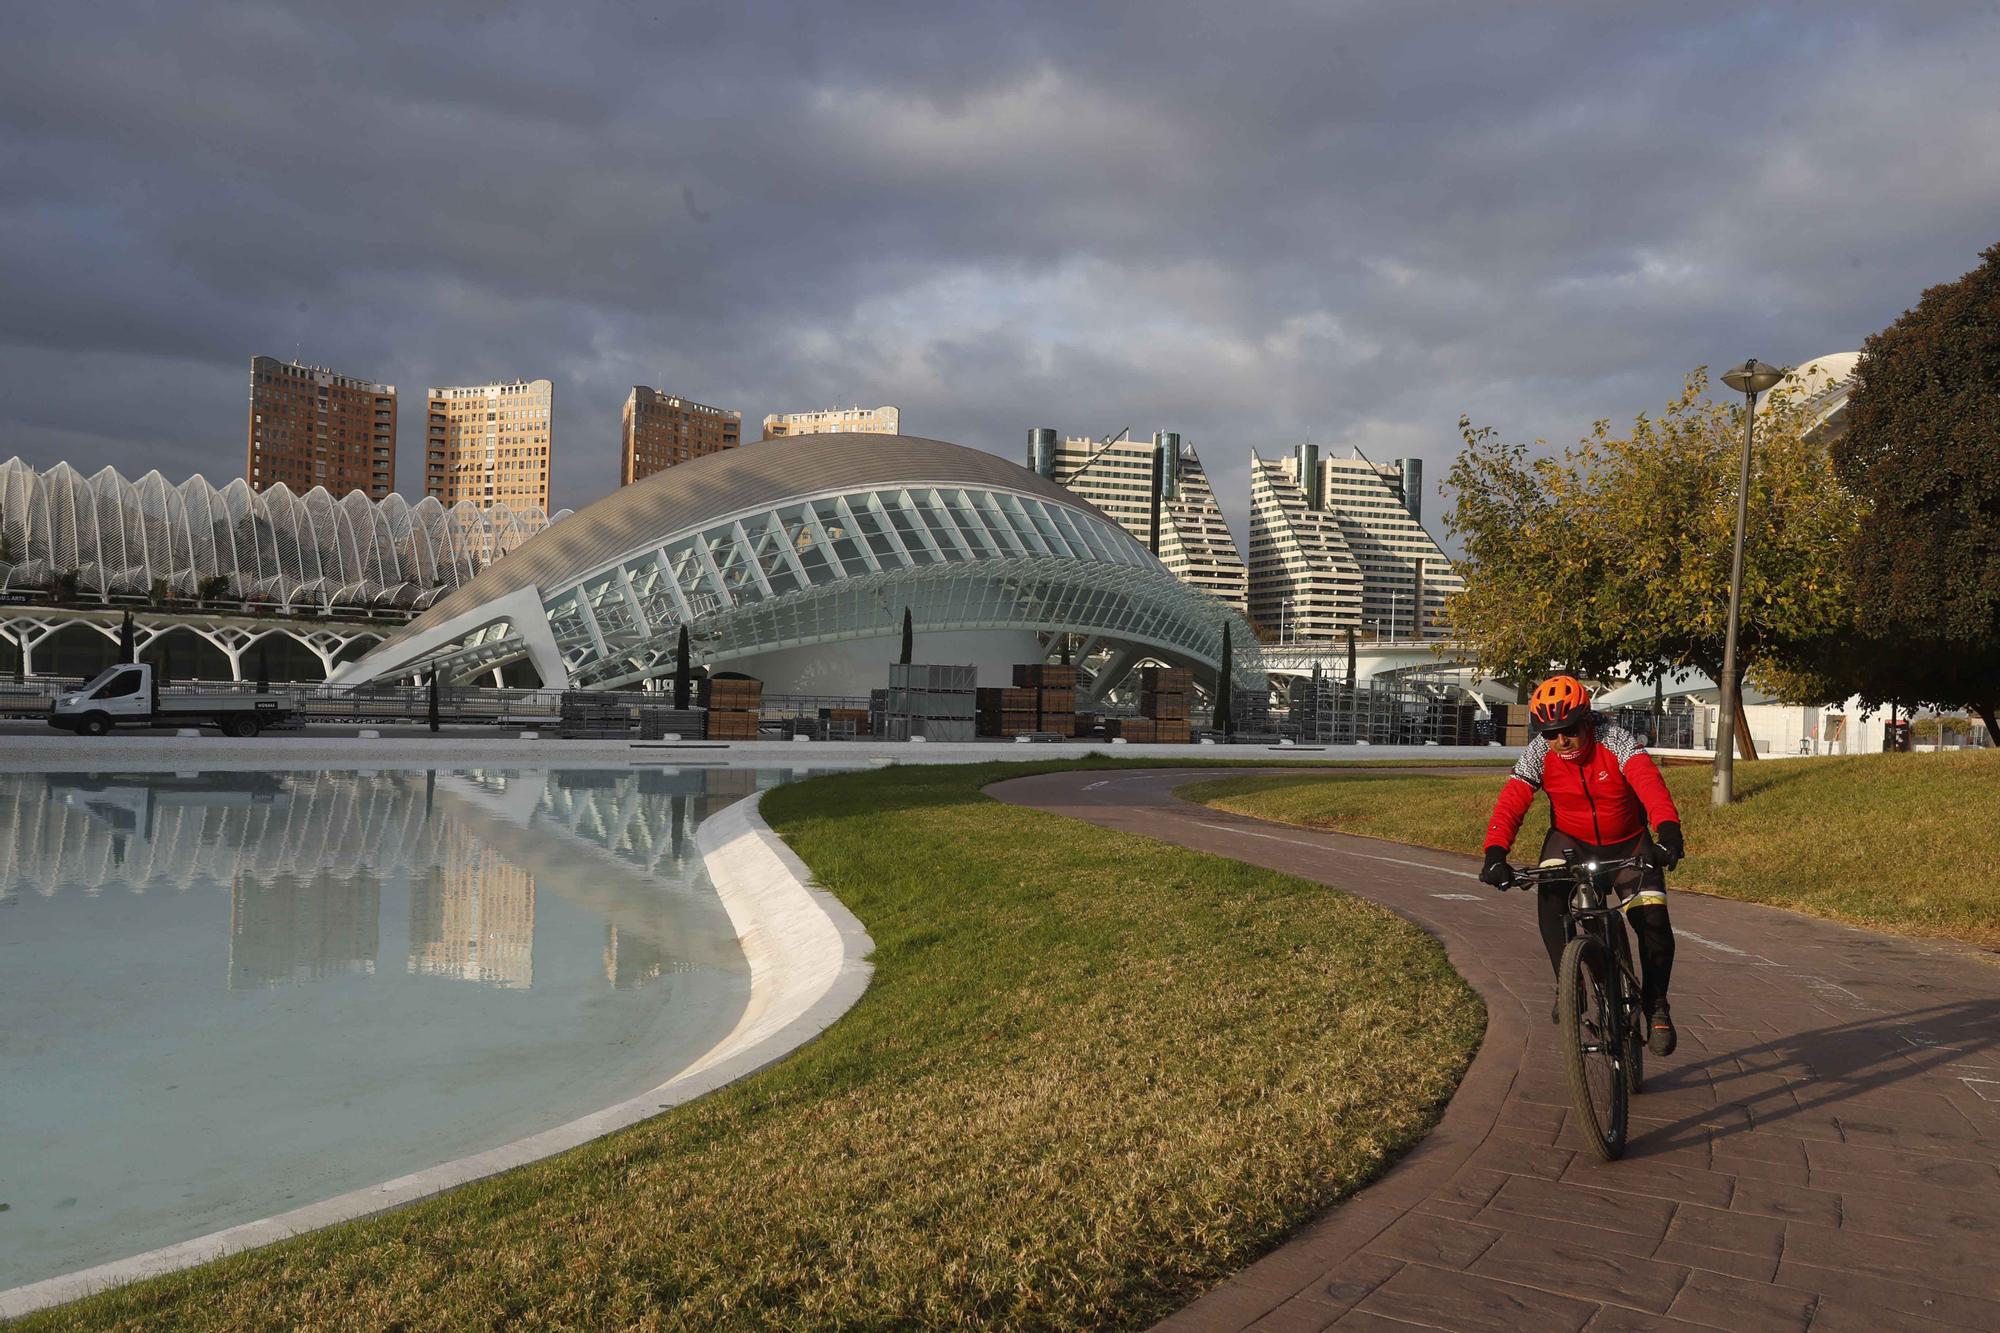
column 1753, row 376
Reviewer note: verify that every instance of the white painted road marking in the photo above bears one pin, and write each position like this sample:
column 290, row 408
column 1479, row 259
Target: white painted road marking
column 1342, row 851
column 1460, row 897
column 1682, row 933
column 1836, row 993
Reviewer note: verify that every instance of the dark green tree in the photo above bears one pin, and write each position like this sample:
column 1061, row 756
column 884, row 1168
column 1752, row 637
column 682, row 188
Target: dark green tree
column 683, row 670
column 909, row 637
column 1922, row 449
column 126, row 654
column 263, row 668
column 1225, row 688
column 431, row 704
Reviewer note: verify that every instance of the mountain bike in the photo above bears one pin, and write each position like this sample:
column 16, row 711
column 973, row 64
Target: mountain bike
column 1598, row 1006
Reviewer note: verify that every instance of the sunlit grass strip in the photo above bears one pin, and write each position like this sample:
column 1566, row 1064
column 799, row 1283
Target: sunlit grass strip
column 1094, row 1075
column 1899, row 842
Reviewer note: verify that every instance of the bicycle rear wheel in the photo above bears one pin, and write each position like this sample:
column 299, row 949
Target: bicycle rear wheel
column 1593, row 1044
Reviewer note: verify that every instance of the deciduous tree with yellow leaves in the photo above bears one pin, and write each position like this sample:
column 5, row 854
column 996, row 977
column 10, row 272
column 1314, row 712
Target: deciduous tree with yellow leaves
column 1612, row 559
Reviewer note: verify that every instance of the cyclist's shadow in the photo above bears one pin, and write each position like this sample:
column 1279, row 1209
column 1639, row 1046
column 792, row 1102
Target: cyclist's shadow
column 1818, row 1073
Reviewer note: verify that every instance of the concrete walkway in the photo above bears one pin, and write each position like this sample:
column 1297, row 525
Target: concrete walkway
column 1822, row 1152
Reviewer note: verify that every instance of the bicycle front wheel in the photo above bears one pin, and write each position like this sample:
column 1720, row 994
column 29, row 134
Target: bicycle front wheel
column 1635, row 1045
column 1593, row 1044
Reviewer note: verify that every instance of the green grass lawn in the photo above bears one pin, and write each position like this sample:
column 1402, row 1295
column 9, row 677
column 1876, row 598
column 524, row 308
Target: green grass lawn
column 1908, row 843
column 1093, row 1075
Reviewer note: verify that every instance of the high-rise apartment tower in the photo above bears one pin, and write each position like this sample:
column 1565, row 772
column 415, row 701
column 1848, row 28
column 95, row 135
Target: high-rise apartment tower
column 661, row 430
column 1336, row 544
column 859, row 420
column 310, row 427
column 490, row 442
column 1195, row 542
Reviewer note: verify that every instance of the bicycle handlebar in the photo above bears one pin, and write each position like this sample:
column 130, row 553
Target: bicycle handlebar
column 1532, row 876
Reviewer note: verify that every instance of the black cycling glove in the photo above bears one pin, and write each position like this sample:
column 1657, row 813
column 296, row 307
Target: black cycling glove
column 1672, row 848
column 1496, row 871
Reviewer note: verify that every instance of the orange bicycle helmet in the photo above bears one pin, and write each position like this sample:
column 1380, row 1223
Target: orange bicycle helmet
column 1557, row 702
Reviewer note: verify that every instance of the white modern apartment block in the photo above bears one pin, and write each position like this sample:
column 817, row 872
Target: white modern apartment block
column 1195, row 542
column 856, row 420
column 1336, row 544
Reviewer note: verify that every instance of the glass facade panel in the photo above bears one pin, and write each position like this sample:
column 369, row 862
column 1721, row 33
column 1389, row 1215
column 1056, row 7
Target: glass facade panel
column 867, row 511
column 768, row 542
column 731, row 561
column 943, row 531
column 909, row 528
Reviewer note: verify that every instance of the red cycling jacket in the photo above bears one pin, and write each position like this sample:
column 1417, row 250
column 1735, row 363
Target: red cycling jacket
column 1604, row 796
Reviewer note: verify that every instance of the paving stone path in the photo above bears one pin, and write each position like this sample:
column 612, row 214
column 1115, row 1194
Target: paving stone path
column 1823, row 1151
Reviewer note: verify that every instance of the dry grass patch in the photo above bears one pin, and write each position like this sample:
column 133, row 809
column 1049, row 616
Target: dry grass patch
column 1094, row 1075
column 1900, row 842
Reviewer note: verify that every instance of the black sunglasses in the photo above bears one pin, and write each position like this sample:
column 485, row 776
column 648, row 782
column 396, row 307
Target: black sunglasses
column 1570, row 730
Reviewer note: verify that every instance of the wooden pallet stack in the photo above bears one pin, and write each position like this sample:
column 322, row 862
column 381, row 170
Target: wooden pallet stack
column 1163, row 699
column 1054, row 686
column 733, row 703
column 1510, row 724
column 1133, row 730
column 844, row 723
column 1008, row 712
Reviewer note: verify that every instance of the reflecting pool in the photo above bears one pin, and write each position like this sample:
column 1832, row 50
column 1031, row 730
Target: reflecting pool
column 223, row 995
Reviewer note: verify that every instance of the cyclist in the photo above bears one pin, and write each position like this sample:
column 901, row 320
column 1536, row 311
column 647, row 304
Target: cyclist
column 1602, row 788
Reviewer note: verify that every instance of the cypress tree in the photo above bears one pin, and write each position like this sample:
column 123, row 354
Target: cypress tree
column 1225, row 688
column 683, row 673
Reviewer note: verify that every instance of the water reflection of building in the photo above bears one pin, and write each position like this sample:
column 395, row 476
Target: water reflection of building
column 306, row 858
column 473, row 915
column 631, row 959
column 284, row 928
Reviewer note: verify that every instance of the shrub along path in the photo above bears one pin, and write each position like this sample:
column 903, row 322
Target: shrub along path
column 1093, row 1076
column 1823, row 1151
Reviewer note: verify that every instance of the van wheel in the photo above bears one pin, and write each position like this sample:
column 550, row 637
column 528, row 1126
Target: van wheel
column 241, row 726
column 94, row 724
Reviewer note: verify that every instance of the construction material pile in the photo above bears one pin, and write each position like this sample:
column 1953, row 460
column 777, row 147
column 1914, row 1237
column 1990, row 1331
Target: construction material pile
column 733, row 703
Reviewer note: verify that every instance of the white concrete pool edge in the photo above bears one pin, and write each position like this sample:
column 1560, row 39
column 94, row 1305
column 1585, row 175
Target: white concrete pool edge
column 808, row 965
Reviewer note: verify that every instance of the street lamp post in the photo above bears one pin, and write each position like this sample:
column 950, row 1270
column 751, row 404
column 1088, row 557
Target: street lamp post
column 1749, row 379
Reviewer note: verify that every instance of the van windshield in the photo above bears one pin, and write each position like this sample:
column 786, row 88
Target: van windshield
column 117, row 683
column 91, row 685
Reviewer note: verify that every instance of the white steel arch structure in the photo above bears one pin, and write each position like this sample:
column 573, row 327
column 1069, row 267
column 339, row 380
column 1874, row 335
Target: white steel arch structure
column 105, row 536
column 805, row 544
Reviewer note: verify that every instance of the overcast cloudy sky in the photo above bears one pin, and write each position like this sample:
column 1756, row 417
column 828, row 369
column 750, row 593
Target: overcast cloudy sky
column 1248, row 222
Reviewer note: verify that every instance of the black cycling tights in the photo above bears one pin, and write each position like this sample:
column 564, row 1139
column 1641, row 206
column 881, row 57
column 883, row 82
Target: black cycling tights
column 1655, row 931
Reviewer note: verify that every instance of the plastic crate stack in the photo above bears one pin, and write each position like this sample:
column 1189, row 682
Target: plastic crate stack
column 1163, row 700
column 935, row 702
column 595, row 715
column 1251, row 712
column 733, row 703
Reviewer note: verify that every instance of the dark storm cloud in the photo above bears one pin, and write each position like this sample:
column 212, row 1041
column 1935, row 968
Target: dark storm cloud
column 1249, row 223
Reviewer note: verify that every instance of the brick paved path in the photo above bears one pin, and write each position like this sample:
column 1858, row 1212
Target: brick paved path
column 1822, row 1152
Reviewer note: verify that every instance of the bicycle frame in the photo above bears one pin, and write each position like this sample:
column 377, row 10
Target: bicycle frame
column 1590, row 906
column 1594, row 924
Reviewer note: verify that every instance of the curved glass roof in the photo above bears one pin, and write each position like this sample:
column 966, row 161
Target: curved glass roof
column 793, row 542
